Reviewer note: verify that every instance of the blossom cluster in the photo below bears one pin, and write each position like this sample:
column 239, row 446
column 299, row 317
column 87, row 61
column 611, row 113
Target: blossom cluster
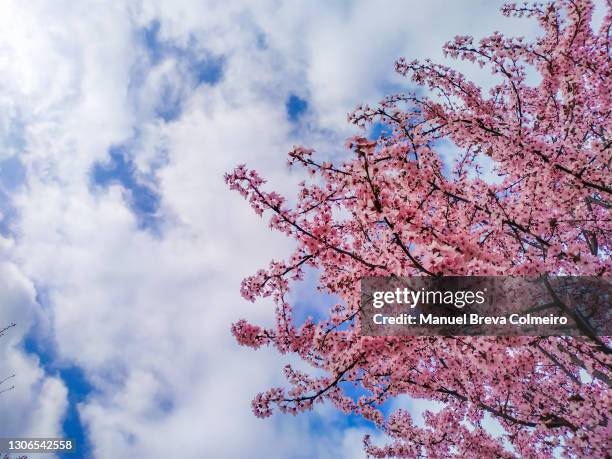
column 391, row 209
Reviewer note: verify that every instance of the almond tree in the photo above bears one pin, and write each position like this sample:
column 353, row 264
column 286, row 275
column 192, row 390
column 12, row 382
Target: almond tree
column 391, row 208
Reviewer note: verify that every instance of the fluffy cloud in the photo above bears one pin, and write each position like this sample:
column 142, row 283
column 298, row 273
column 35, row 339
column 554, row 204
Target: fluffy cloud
column 36, row 402
column 184, row 90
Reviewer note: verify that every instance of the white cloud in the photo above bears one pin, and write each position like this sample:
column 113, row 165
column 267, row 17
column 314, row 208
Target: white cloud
column 36, row 403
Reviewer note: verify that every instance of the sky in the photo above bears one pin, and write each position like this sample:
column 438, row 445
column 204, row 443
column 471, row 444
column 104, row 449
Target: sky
column 122, row 250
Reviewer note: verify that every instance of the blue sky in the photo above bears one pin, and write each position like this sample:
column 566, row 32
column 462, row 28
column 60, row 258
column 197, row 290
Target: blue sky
column 121, row 249
column 296, row 107
column 78, row 390
column 141, row 197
